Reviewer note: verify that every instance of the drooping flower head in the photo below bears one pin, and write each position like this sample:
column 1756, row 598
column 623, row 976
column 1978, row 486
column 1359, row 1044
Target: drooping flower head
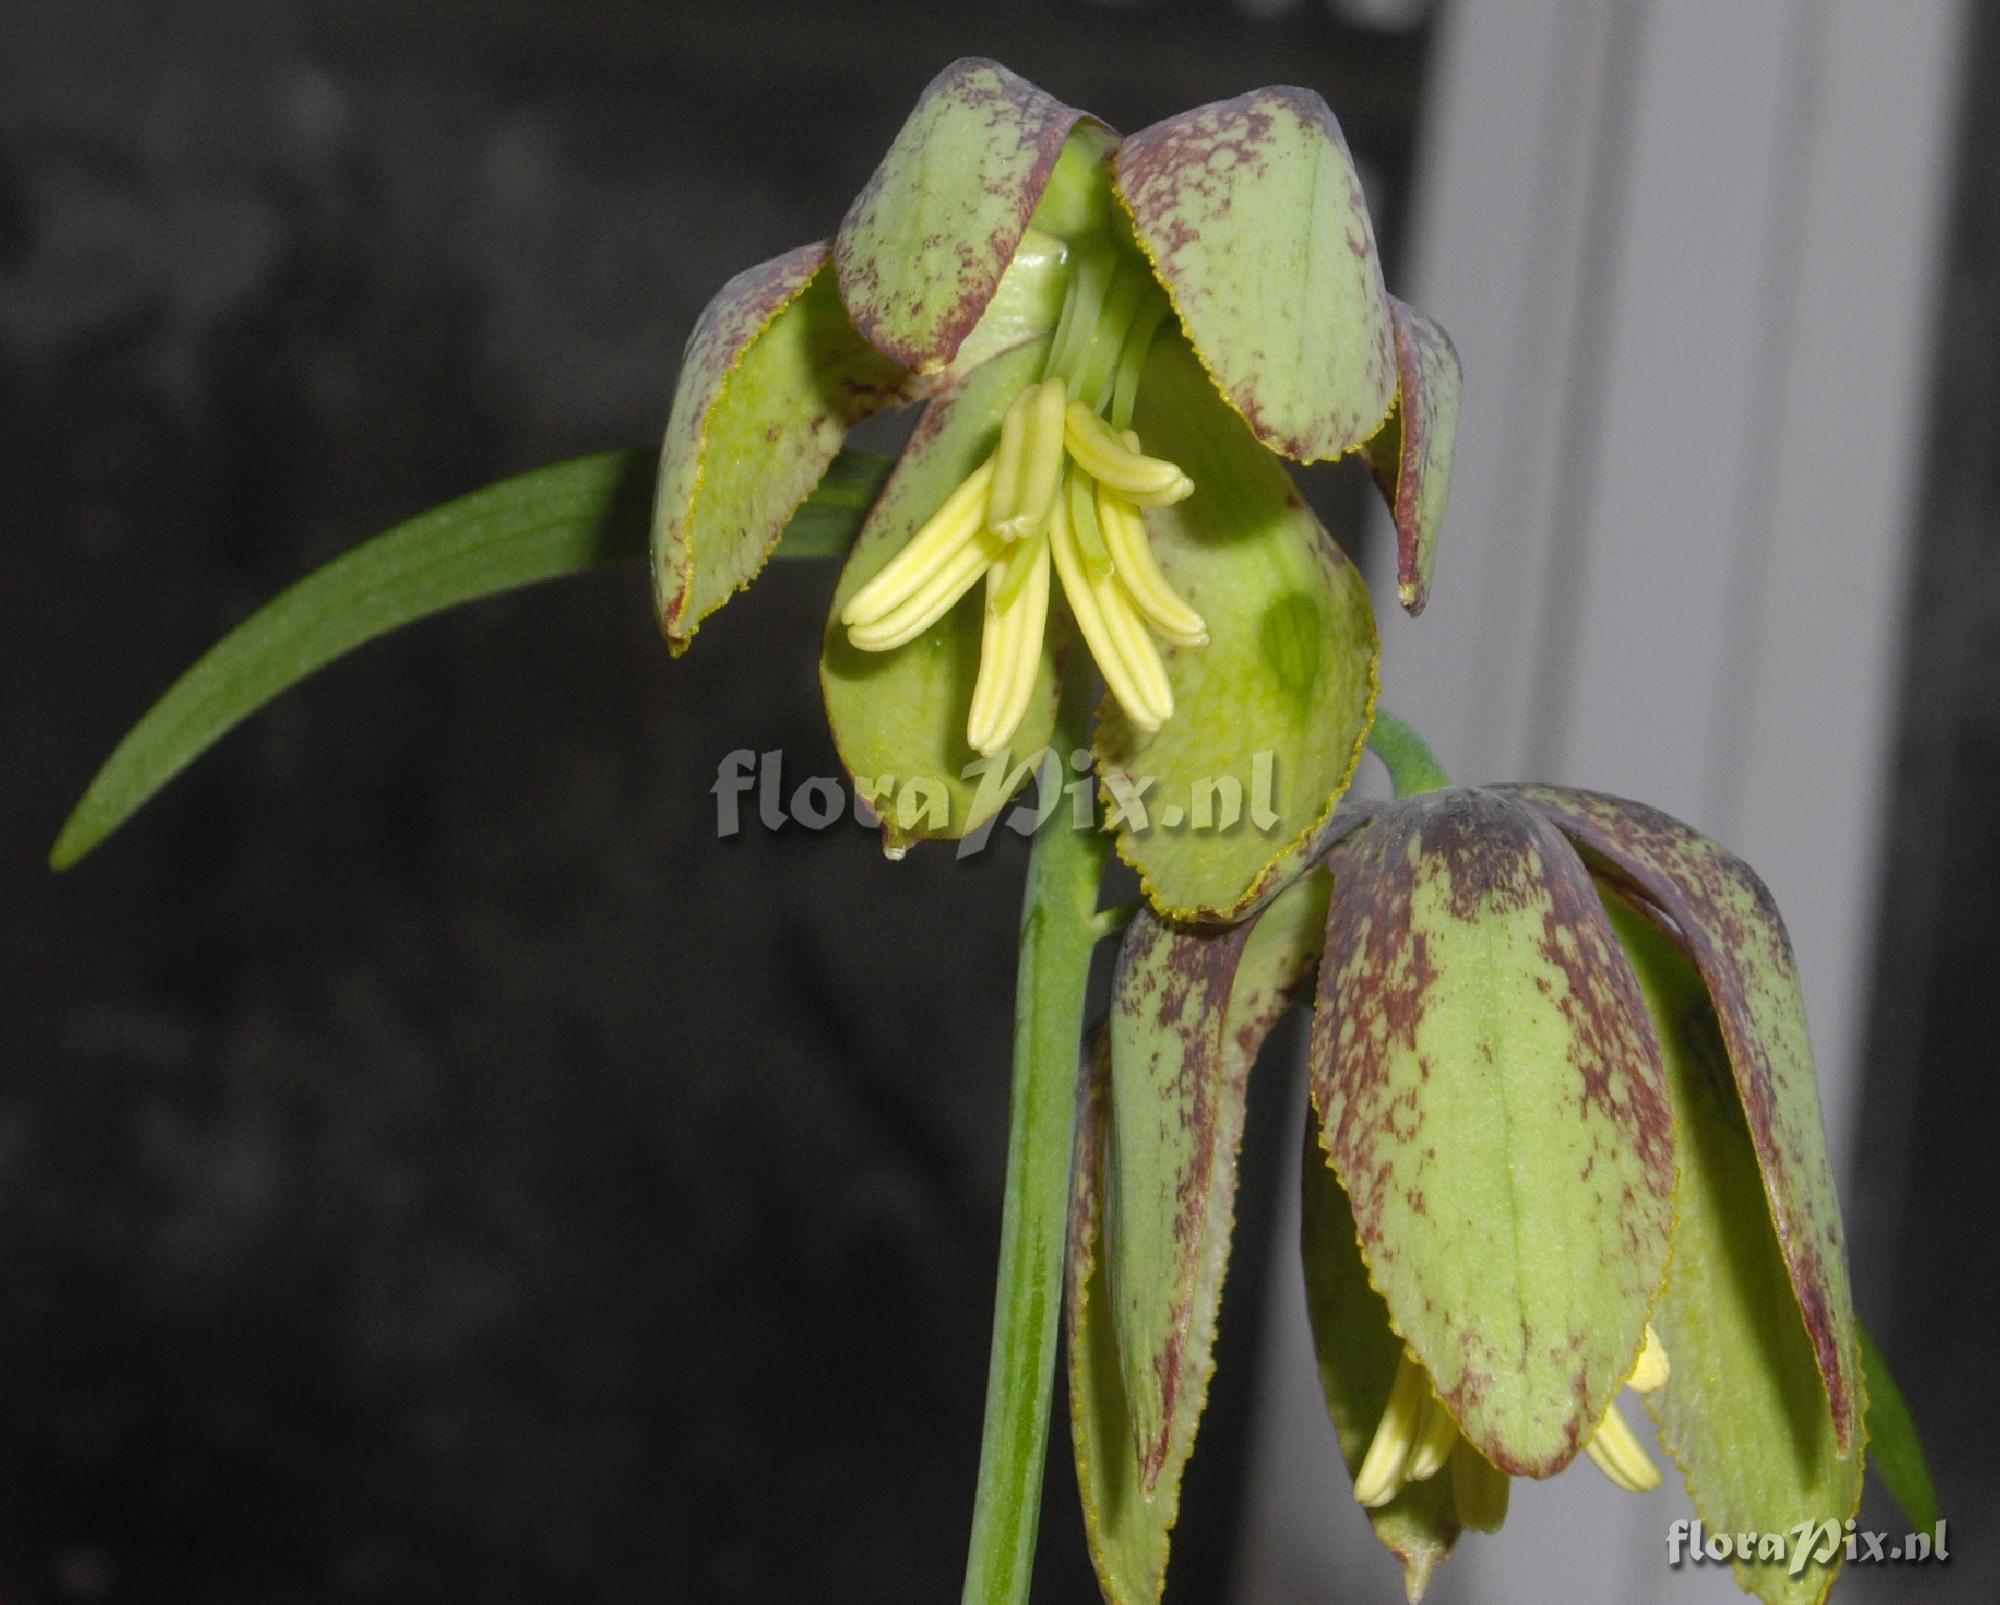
column 1567, row 1143
column 1114, row 341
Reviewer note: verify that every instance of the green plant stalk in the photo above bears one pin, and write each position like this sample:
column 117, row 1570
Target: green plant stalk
column 1059, row 928
column 1412, row 766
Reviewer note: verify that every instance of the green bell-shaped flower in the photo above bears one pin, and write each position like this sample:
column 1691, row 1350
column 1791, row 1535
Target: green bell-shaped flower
column 1568, row 1141
column 1111, row 339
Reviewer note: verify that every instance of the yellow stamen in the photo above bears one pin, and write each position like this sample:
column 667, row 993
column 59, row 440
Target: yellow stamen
column 938, row 595
column 1084, row 525
column 1021, row 559
column 1435, row 1438
column 1652, row 1370
column 1478, row 1488
column 1380, row 1478
column 1116, row 638
column 1082, row 308
column 1617, row 1454
column 1010, row 461
column 1132, row 361
column 1132, row 556
column 1041, row 459
column 1097, row 369
column 1010, row 656
column 1141, row 656
column 1102, row 454
column 943, row 535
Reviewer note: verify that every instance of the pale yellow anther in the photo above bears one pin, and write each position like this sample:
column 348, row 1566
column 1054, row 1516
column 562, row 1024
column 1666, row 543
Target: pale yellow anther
column 1381, row 1477
column 1132, row 557
column 1618, row 1454
column 1100, row 452
column 937, row 596
column 1652, row 1370
column 1117, row 640
column 943, row 536
column 1010, row 657
column 1479, row 1489
column 1041, row 464
column 1435, row 1438
column 1135, row 646
column 1019, row 518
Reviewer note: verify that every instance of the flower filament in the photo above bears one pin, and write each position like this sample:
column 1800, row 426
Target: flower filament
column 1062, row 489
column 1418, row 1436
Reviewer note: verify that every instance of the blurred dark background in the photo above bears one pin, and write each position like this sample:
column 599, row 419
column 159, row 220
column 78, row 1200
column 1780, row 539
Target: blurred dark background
column 431, row 1164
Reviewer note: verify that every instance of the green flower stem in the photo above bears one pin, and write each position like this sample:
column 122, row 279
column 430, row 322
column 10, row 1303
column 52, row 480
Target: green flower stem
column 1412, row 766
column 1059, row 927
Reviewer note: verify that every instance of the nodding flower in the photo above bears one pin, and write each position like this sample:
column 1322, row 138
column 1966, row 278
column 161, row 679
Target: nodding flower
column 1116, row 342
column 1564, row 1141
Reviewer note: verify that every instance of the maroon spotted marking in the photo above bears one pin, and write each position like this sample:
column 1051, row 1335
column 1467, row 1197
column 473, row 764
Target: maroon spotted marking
column 1191, row 984
column 1719, row 912
column 858, row 382
column 896, row 305
column 1191, row 167
column 1416, row 444
column 1496, row 856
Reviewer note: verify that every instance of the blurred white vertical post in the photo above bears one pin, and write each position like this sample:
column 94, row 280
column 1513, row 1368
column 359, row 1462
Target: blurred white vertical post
column 1687, row 249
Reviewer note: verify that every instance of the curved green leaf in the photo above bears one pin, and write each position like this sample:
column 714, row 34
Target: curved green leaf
column 536, row 526
column 1894, row 1448
column 1727, row 923
column 1252, row 214
column 1411, row 458
column 922, row 248
column 1216, row 806
column 1358, row 1352
column 1492, row 1100
column 773, row 379
column 1743, row 1412
column 898, row 717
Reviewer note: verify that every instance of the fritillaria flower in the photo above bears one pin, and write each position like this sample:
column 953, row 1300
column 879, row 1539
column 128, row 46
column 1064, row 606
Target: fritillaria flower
column 1115, row 341
column 1566, row 1142
column 1567, row 1139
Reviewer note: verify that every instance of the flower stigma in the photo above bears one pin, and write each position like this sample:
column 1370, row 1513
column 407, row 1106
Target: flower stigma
column 1063, row 489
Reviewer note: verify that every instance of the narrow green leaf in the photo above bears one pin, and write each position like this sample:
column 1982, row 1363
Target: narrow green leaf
column 1492, row 1099
column 1742, row 1413
column 773, row 379
column 1252, row 214
column 1725, row 920
column 1894, row 1448
column 1411, row 457
column 1358, row 1353
column 1216, row 806
column 536, row 526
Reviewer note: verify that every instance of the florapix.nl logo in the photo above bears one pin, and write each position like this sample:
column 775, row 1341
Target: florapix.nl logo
column 752, row 786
